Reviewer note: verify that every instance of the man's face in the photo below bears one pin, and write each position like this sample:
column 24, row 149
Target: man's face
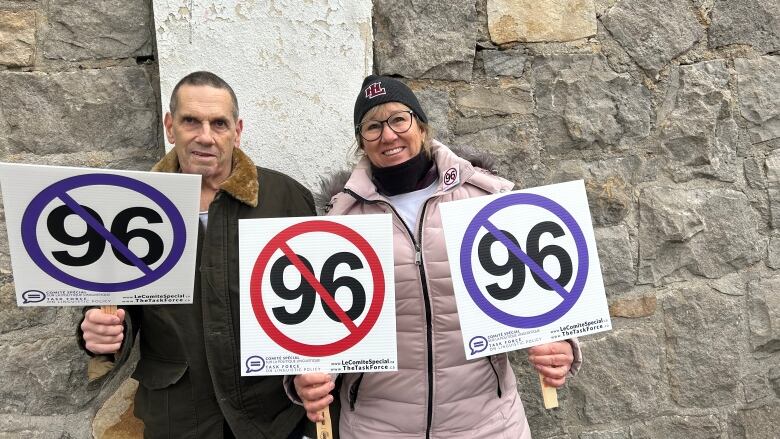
column 204, row 131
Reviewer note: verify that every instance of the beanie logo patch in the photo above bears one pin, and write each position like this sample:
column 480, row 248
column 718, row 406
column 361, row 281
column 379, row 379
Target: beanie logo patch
column 374, row 90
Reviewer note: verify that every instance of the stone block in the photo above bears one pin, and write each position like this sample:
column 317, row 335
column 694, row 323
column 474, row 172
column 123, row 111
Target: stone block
column 772, row 166
column 48, row 366
column 83, row 111
column 509, row 143
column 756, row 423
column 633, row 307
column 679, row 427
column 616, row 258
column 751, row 22
column 623, row 379
column 114, row 419
column 702, row 232
column 437, row 107
column 609, row 201
column 482, row 101
column 17, row 37
column 13, row 317
column 581, row 103
column 433, row 39
column 653, row 32
column 773, row 259
column 758, row 82
column 80, row 30
column 698, row 133
column 764, row 314
column 540, row 20
column 503, row 62
column 702, row 340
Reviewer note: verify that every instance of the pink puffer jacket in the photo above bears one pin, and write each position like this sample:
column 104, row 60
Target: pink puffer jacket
column 436, row 392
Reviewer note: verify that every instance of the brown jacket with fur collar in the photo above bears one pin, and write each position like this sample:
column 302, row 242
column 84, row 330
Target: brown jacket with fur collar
column 190, row 381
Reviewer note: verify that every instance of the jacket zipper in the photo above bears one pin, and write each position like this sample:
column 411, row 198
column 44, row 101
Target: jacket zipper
column 426, row 300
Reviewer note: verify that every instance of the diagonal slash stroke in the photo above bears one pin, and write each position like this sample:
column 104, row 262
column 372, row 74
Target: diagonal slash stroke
column 102, row 231
column 323, row 293
column 517, row 251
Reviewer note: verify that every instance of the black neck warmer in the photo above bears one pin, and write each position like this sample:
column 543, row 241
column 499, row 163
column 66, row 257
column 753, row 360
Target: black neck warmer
column 404, row 177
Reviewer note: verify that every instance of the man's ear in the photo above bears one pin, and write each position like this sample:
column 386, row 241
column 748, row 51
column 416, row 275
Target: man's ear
column 239, row 129
column 168, row 124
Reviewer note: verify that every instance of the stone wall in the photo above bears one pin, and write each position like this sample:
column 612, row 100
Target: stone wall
column 668, row 109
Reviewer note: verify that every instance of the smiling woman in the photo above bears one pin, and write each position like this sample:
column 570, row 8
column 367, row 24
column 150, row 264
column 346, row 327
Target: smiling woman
column 436, row 392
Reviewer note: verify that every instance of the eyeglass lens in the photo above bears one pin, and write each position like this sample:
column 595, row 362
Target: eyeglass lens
column 399, row 122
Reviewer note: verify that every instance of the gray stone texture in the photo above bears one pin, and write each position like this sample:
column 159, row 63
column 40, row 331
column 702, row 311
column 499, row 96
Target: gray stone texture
column 750, row 22
column 78, row 30
column 702, row 332
column 430, row 39
column 773, row 186
column 616, row 258
column 653, row 32
column 759, row 95
column 624, row 379
column 540, row 20
column 17, row 37
column 697, row 232
column 56, row 373
column 85, row 111
column 773, row 259
column 698, row 133
column 756, row 423
column 503, row 62
column 679, row 427
column 581, row 103
column 764, row 314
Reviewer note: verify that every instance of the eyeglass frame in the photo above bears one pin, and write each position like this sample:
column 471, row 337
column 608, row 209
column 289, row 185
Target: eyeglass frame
column 386, row 122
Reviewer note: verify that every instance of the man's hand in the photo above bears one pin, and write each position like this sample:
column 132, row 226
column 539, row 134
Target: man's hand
column 314, row 391
column 103, row 333
column 553, row 361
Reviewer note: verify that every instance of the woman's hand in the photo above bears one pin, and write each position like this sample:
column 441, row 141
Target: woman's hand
column 314, row 391
column 553, row 361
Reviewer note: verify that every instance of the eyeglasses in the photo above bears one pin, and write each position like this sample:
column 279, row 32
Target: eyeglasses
column 399, row 122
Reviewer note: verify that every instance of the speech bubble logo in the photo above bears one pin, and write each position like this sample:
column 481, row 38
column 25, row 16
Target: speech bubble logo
column 478, row 344
column 254, row 364
column 33, row 296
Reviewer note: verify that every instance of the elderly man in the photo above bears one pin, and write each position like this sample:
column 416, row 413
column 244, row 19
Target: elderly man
column 190, row 381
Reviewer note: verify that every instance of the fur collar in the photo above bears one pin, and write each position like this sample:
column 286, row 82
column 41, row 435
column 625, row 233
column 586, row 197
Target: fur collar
column 241, row 184
column 330, row 185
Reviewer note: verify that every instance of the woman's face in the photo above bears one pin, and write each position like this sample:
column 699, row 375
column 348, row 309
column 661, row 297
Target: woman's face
column 391, row 148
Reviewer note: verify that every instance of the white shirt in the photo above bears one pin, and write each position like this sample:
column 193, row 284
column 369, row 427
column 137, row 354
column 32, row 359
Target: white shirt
column 408, row 205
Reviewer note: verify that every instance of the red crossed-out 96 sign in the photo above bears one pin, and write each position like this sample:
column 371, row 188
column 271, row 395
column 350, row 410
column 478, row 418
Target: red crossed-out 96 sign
column 322, row 286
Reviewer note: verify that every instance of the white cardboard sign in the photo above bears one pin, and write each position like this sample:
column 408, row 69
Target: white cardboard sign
column 524, row 268
column 317, row 295
column 80, row 236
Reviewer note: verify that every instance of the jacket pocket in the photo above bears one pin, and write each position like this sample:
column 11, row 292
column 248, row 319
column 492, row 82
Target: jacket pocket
column 163, row 400
column 352, row 394
column 495, row 373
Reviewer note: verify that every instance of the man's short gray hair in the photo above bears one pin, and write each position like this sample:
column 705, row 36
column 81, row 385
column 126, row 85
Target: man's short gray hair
column 203, row 78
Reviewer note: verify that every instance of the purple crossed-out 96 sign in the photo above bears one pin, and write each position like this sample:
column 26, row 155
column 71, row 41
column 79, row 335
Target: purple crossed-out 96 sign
column 482, row 219
column 60, row 189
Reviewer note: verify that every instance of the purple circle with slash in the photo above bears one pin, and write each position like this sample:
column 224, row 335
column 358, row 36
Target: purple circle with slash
column 482, row 219
column 59, row 190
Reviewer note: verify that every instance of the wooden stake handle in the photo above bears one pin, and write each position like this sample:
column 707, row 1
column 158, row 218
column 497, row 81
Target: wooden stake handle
column 549, row 394
column 109, row 309
column 324, row 429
